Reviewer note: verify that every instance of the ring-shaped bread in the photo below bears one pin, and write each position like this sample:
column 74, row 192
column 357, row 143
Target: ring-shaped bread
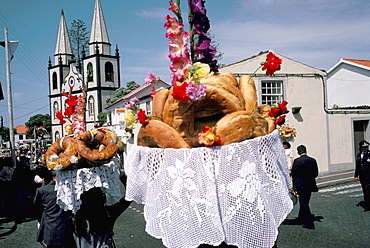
column 96, row 138
column 61, row 154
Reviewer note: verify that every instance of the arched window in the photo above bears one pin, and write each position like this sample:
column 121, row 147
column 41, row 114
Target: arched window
column 90, row 71
column 55, row 81
column 57, row 135
column 55, row 109
column 109, row 72
column 91, row 104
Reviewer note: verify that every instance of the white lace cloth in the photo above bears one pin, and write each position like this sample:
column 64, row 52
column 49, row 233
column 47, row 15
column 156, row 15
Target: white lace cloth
column 236, row 193
column 71, row 184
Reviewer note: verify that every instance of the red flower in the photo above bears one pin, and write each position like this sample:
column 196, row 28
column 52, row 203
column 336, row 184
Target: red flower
column 274, row 112
column 68, row 112
column 179, row 92
column 60, row 116
column 152, row 93
column 282, row 107
column 71, row 101
column 280, row 121
column 141, row 116
column 272, row 64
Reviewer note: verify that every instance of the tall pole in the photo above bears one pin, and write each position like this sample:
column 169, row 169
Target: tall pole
column 10, row 104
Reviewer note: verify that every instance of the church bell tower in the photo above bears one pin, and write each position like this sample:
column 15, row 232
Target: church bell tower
column 99, row 72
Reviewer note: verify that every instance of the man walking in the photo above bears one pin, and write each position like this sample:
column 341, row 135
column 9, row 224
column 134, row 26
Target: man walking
column 304, row 172
column 52, row 230
column 362, row 172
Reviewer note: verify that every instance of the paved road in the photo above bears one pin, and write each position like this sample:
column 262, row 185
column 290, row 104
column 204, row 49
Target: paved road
column 340, row 224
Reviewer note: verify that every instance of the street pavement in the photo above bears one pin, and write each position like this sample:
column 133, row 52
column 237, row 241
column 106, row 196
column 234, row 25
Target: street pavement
column 339, row 222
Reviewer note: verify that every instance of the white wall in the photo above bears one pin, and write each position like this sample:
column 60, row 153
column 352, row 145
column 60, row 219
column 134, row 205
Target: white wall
column 348, row 85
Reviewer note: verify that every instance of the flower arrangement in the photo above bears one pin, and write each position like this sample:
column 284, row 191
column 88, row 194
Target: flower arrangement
column 75, row 111
column 193, row 58
column 287, row 131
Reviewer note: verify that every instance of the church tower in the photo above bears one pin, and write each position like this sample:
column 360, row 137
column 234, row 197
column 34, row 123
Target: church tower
column 99, row 72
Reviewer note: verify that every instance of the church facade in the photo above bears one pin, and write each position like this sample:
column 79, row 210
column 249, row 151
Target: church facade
column 97, row 76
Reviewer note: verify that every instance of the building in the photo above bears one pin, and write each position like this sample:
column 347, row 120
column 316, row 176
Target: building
column 302, row 87
column 348, row 94
column 98, row 70
column 116, row 109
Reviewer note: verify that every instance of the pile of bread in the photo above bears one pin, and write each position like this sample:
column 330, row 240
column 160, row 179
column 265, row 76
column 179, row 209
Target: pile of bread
column 230, row 108
column 88, row 149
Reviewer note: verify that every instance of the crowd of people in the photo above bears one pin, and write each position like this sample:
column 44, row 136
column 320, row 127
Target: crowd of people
column 18, row 186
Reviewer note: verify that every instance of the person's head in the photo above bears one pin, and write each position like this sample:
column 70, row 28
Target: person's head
column 301, row 149
column 364, row 145
column 53, row 174
column 286, row 145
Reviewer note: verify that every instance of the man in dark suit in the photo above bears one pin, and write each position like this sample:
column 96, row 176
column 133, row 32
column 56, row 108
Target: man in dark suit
column 362, row 172
column 52, row 218
column 304, row 172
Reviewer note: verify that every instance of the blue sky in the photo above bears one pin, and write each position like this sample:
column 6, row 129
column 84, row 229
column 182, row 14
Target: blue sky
column 314, row 32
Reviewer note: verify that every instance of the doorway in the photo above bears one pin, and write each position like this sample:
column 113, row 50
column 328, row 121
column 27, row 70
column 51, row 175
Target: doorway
column 360, row 129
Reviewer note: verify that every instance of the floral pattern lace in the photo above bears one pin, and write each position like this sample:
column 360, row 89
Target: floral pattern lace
column 237, row 193
column 71, row 184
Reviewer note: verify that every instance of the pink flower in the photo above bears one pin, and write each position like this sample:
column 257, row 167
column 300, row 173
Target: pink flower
column 178, row 46
column 173, row 26
column 151, row 78
column 179, row 67
column 196, row 92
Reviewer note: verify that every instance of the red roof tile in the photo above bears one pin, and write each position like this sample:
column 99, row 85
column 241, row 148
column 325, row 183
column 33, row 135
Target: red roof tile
column 359, row 61
column 21, row 129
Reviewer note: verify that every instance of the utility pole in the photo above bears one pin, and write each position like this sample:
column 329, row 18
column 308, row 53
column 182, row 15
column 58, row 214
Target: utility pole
column 10, row 101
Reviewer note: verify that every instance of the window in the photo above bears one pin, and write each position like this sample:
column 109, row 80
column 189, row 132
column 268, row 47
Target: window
column 109, row 72
column 148, row 107
column 91, row 105
column 272, row 92
column 20, row 137
column 89, row 72
column 55, row 81
column 57, row 135
column 55, row 109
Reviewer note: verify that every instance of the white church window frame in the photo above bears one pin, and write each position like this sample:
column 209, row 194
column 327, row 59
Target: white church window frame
column 55, row 109
column 91, row 105
column 109, row 72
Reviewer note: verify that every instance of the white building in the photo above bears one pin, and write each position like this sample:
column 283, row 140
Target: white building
column 99, row 71
column 331, row 136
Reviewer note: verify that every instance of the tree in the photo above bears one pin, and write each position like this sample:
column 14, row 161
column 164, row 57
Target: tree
column 38, row 121
column 102, row 118
column 79, row 38
column 122, row 91
column 4, row 132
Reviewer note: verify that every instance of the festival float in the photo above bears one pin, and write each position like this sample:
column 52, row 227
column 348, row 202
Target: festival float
column 209, row 164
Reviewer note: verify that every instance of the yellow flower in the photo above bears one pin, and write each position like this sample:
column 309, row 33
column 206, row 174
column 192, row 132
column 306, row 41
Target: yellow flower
column 68, row 129
column 208, row 138
column 130, row 119
column 94, row 131
column 202, row 70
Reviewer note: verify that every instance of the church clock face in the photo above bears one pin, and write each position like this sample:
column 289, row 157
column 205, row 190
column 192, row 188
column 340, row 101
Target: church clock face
column 71, row 82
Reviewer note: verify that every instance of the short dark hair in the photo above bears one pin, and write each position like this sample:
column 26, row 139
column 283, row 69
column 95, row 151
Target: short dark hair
column 286, row 143
column 301, row 149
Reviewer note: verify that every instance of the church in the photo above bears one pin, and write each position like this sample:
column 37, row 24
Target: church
column 97, row 75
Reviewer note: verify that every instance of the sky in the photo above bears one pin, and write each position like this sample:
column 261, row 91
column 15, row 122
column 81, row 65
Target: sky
column 314, row 32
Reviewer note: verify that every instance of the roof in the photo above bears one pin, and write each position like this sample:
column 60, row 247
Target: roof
column 359, row 61
column 98, row 30
column 21, row 129
column 134, row 92
column 63, row 45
